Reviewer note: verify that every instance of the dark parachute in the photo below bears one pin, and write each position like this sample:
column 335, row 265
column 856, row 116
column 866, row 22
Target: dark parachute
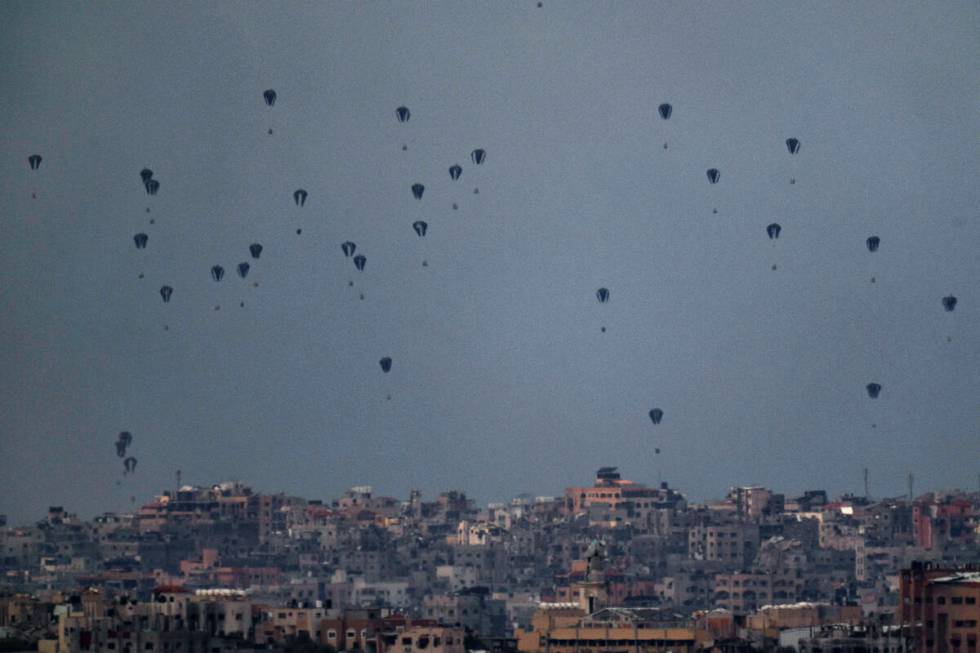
column 359, row 262
column 949, row 303
column 152, row 186
column 793, row 145
column 713, row 175
column 455, row 171
column 348, row 248
column 122, row 442
column 243, row 269
column 130, row 465
column 665, row 111
column 165, row 292
column 270, row 97
column 417, row 190
column 217, row 272
column 602, row 295
column 255, row 249
column 873, row 243
column 403, row 114
column 873, row 390
column 773, row 230
column 478, row 156
column 299, row 196
column 656, row 415
column 34, row 161
column 140, row 240
column 420, row 228
column 146, row 175
column 385, row 364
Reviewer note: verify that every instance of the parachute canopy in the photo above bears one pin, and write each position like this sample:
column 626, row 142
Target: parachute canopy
column 403, row 114
column 34, row 161
column 949, row 303
column 874, row 390
column 478, row 156
column 417, row 190
column 713, row 175
column 217, row 272
column 656, row 415
column 130, row 465
column 665, row 111
column 455, row 171
column 420, row 227
column 385, row 364
column 165, row 292
column 299, row 196
column 255, row 249
column 348, row 248
column 146, row 175
column 140, row 240
column 602, row 295
column 243, row 269
column 773, row 230
column 152, row 186
column 360, row 261
column 873, row 243
column 270, row 97
column 793, row 145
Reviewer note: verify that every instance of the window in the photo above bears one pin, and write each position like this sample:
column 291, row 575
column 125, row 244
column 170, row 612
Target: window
column 148, row 646
column 957, row 600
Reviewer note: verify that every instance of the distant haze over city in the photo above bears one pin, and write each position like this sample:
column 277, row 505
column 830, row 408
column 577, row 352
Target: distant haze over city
column 760, row 220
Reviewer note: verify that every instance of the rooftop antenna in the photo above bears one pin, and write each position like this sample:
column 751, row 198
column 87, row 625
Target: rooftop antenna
column 178, row 482
column 866, row 495
column 911, row 486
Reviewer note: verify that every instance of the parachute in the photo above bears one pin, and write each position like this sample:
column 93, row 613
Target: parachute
column 299, row 196
column 146, row 175
column 270, row 97
column 420, row 228
column 949, row 303
column 478, row 156
column 255, row 250
column 403, row 114
column 359, row 261
column 348, row 248
column 793, row 145
column 217, row 272
column 34, row 161
column 152, row 186
column 130, row 465
column 417, row 190
column 243, row 269
column 455, row 171
column 873, row 243
column 773, row 230
column 385, row 364
column 122, row 442
column 602, row 295
column 713, row 175
column 656, row 415
column 665, row 111
column 165, row 292
column 140, row 240
column 874, row 390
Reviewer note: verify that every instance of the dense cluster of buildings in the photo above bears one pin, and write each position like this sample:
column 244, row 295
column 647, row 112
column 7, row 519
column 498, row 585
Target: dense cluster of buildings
column 610, row 567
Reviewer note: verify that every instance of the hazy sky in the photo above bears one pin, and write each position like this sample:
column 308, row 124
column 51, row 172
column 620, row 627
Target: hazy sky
column 502, row 381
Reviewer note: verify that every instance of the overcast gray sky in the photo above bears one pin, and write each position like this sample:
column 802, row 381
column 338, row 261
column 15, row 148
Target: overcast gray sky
column 502, row 381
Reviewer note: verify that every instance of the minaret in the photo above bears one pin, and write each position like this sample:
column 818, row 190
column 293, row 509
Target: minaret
column 593, row 592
